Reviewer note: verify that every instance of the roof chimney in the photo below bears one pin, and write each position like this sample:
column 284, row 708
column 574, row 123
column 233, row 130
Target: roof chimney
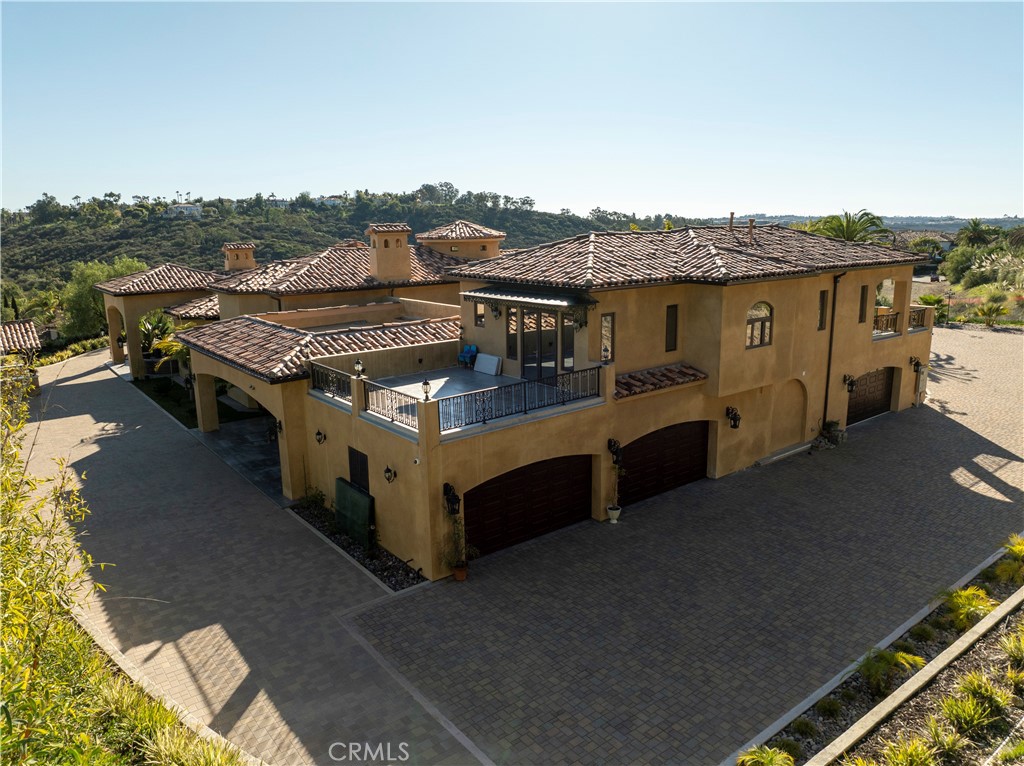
column 750, row 229
column 389, row 252
column 731, row 216
column 239, row 256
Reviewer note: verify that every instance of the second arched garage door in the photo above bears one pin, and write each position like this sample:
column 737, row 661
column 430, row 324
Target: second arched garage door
column 663, row 460
column 527, row 502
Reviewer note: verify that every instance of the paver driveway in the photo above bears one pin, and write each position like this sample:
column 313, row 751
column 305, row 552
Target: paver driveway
column 670, row 638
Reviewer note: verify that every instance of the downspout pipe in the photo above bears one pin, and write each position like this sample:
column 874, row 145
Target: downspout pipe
column 831, row 342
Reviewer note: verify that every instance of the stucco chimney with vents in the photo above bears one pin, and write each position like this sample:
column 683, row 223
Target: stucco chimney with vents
column 731, row 216
column 389, row 252
column 239, row 255
column 750, row 229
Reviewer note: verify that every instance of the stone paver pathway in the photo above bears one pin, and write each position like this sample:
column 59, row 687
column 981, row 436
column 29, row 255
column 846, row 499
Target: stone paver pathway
column 227, row 603
column 672, row 637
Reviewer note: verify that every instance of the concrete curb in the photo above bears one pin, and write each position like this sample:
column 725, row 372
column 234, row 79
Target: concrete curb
column 135, row 673
column 915, row 683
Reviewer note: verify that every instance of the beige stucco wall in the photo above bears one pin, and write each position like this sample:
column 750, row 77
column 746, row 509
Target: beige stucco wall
column 778, row 389
column 468, row 249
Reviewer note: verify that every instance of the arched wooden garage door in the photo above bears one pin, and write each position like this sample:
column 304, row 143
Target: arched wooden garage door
column 872, row 396
column 668, row 458
column 527, row 502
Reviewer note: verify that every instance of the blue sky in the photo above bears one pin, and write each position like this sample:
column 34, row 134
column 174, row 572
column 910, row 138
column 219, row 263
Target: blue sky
column 694, row 109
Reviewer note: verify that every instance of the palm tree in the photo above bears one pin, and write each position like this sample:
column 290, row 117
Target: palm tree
column 854, row 227
column 974, row 233
column 989, row 312
column 938, row 303
column 173, row 349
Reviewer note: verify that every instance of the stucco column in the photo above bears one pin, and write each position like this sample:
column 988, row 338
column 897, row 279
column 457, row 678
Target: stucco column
column 206, row 403
column 293, row 439
column 114, row 327
column 901, row 303
column 133, row 345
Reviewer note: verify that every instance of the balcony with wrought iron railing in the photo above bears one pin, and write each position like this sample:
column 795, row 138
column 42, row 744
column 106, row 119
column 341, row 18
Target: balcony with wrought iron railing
column 463, row 397
column 886, row 324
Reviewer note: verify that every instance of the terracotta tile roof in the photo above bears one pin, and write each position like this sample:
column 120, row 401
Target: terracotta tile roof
column 19, row 335
column 388, row 228
column 207, row 307
column 712, row 254
column 239, row 246
column 166, row 278
column 335, row 269
column 275, row 353
column 655, row 379
column 461, row 230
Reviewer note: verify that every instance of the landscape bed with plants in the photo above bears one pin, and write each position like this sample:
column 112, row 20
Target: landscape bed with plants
column 378, row 561
column 959, row 718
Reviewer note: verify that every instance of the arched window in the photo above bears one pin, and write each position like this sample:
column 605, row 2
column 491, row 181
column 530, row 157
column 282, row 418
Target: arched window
column 759, row 325
column 387, row 244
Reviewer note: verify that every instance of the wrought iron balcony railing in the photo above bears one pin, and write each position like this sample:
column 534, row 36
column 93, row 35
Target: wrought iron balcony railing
column 518, row 398
column 332, row 382
column 886, row 323
column 391, row 404
column 917, row 318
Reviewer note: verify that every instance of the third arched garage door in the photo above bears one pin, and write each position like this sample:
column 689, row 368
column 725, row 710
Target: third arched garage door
column 662, row 460
column 872, row 396
column 527, row 502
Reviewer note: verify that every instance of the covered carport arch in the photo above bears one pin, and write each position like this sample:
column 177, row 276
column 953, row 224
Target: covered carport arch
column 284, row 401
column 127, row 299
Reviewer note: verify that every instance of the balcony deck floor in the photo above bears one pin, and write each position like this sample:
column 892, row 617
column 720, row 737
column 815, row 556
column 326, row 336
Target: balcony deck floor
column 450, row 381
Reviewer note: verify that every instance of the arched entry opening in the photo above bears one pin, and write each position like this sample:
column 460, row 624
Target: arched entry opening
column 664, row 459
column 527, row 502
column 871, row 396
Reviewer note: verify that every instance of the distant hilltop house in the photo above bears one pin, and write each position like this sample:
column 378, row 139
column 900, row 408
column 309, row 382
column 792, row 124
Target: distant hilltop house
column 414, row 379
column 946, row 240
column 184, row 210
column 330, row 201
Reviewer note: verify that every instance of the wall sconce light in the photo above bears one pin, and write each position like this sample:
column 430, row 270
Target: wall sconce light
column 915, row 363
column 734, row 417
column 390, row 474
column 425, row 385
column 851, row 383
column 358, row 366
column 280, row 427
column 189, row 385
column 120, row 342
column 496, row 311
column 321, row 437
column 616, row 449
column 451, row 499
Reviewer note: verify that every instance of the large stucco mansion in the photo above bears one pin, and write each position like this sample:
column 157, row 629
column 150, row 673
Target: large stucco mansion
column 438, row 374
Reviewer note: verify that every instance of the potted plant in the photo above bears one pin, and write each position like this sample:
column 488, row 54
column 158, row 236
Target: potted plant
column 615, row 509
column 832, row 433
column 456, row 553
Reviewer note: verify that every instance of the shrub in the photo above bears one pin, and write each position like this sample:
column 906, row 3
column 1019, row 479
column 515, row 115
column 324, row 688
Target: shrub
column 1011, row 567
column 804, row 727
column 828, row 707
column 989, row 312
column 881, row 666
column 790, row 747
column 904, row 646
column 857, row 761
column 1015, row 678
column 967, row 606
column 1013, row 752
column 976, row 684
column 763, row 755
column 945, row 741
column 967, row 715
column 74, row 349
column 1013, row 645
column 908, row 752
column 923, row 632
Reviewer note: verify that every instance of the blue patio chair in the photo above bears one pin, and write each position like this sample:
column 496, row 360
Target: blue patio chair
column 468, row 355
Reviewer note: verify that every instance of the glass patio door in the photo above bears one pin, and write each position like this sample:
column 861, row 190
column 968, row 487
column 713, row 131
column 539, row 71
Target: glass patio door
column 540, row 344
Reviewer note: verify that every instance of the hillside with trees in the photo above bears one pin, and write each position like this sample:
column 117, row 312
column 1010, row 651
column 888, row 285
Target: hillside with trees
column 41, row 244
